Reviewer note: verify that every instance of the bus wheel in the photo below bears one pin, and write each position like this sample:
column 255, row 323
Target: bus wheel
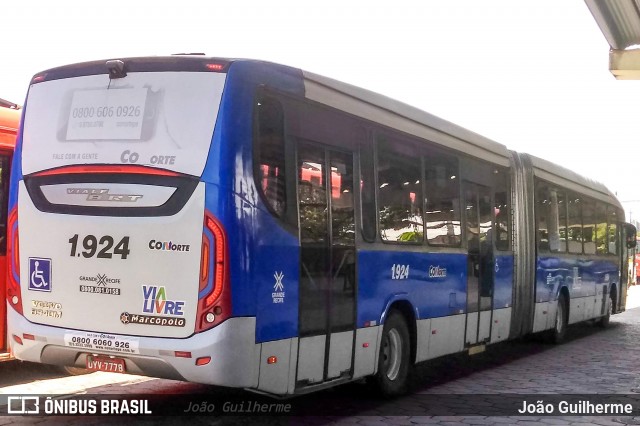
column 604, row 321
column 72, row 371
column 394, row 357
column 560, row 327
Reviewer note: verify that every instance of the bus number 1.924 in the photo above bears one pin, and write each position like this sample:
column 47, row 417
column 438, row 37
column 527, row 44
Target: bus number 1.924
column 90, row 243
column 399, row 272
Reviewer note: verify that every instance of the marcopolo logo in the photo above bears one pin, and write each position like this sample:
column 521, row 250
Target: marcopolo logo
column 168, row 246
column 127, row 318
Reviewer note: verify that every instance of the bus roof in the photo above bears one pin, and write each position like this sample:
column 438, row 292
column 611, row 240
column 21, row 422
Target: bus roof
column 403, row 117
column 366, row 104
column 9, row 123
column 571, row 180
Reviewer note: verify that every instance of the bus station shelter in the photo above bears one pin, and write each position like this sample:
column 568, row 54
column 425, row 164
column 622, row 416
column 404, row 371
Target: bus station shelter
column 619, row 21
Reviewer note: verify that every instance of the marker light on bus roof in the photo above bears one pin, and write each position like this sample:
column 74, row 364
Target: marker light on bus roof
column 38, row 78
column 215, row 67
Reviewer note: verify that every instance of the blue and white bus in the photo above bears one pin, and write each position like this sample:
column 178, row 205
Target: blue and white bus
column 247, row 224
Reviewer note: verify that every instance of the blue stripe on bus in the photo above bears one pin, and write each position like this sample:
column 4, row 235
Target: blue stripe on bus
column 581, row 277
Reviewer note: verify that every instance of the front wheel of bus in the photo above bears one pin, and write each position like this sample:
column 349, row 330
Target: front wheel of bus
column 394, row 357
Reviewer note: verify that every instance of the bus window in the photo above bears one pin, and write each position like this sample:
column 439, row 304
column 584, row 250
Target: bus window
column 501, row 210
column 601, row 228
column 271, row 171
column 443, row 207
column 367, row 194
column 589, row 226
column 575, row 224
column 613, row 230
column 562, row 221
column 542, row 217
column 551, row 220
column 399, row 196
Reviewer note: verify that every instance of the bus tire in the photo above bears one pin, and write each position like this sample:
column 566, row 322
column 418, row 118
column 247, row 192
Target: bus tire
column 73, row 371
column 560, row 326
column 394, row 356
column 604, row 321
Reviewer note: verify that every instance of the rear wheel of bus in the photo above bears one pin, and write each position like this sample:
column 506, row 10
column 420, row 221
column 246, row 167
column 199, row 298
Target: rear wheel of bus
column 72, row 371
column 394, row 357
column 604, row 321
column 559, row 330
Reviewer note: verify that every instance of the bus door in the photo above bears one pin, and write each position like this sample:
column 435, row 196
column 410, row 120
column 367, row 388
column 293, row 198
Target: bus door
column 328, row 264
column 480, row 277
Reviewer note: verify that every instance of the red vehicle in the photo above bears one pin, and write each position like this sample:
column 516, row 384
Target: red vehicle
column 9, row 123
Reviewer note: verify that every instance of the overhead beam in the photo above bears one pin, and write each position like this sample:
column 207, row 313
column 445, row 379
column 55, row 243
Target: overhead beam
column 625, row 64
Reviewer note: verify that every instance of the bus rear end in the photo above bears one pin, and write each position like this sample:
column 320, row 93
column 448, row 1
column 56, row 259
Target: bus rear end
column 119, row 259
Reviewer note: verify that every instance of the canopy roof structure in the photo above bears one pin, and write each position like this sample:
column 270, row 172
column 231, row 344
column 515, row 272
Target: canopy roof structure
column 619, row 21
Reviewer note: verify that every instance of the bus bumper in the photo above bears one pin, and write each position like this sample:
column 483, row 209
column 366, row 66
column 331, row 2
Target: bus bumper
column 231, row 346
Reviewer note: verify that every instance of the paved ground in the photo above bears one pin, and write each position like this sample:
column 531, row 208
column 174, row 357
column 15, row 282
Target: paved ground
column 592, row 361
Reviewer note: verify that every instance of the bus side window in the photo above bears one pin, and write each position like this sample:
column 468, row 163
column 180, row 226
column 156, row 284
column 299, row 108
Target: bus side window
column 542, row 217
column 442, row 193
column 575, row 224
column 501, row 210
column 551, row 220
column 4, row 198
column 589, row 226
column 612, row 218
column 399, row 195
column 367, row 193
column 271, row 154
column 601, row 228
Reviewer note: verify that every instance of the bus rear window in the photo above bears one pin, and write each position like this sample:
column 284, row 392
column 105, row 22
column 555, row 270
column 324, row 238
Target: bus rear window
column 158, row 119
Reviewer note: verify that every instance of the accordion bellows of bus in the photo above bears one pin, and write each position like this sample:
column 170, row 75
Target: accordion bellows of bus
column 248, row 224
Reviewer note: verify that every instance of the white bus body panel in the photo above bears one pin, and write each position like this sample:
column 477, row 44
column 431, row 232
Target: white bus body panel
column 231, row 346
column 150, row 282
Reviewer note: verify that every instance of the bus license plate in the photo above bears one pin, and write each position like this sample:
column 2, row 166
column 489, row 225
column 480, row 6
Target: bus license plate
column 103, row 363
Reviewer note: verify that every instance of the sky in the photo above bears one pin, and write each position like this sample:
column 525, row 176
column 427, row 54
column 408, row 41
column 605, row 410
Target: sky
column 531, row 75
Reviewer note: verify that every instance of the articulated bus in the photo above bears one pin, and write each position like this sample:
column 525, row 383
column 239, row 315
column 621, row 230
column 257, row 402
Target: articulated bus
column 9, row 123
column 247, row 224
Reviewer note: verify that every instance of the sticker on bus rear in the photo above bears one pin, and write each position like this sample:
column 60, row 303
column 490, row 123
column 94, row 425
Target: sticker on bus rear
column 108, row 115
column 103, row 342
column 39, row 274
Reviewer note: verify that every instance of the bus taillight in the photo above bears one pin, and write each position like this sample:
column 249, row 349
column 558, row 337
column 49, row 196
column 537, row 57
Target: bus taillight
column 13, row 262
column 214, row 304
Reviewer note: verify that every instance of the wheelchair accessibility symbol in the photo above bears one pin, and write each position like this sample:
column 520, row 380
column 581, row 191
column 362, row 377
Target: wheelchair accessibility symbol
column 39, row 274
